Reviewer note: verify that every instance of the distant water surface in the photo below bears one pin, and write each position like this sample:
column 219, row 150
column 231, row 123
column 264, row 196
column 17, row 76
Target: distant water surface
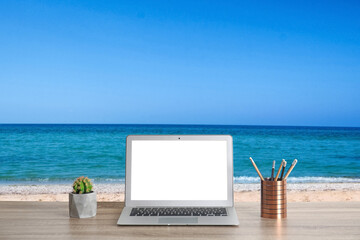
column 59, row 153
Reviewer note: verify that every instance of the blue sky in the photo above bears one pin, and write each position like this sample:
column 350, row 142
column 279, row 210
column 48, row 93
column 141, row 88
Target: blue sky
column 180, row 62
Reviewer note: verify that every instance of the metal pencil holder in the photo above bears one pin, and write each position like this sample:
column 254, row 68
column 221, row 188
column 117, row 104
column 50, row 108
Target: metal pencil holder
column 273, row 199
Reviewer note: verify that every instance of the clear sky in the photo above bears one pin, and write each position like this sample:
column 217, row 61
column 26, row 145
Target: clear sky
column 180, row 62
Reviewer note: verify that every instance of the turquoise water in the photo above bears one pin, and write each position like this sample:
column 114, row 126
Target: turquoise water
column 60, row 153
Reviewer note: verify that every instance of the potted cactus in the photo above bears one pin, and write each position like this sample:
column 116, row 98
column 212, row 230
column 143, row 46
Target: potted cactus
column 82, row 201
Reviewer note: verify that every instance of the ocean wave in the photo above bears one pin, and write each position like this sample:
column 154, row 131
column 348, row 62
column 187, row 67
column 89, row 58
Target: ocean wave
column 237, row 180
column 29, row 181
column 246, row 179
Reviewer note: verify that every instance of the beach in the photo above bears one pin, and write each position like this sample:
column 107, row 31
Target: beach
column 297, row 192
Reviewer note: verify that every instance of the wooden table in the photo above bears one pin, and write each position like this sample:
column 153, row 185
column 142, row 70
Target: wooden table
column 49, row 220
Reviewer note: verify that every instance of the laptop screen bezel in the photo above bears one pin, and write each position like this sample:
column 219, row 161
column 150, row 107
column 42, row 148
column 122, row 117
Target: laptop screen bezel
column 229, row 202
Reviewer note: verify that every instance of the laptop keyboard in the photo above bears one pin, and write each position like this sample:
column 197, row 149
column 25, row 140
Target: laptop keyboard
column 178, row 212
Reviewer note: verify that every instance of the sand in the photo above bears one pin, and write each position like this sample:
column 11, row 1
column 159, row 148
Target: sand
column 297, row 192
column 253, row 196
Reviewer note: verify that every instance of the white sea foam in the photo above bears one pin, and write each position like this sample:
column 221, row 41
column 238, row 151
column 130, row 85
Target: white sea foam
column 239, row 187
column 27, row 189
column 245, row 179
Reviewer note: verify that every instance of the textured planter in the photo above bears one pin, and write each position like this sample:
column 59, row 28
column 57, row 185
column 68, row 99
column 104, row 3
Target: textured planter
column 82, row 205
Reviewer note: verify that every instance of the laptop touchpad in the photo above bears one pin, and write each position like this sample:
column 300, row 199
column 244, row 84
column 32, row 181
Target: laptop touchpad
column 178, row 220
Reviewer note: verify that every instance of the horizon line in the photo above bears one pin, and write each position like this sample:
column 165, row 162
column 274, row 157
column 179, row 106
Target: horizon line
column 182, row 124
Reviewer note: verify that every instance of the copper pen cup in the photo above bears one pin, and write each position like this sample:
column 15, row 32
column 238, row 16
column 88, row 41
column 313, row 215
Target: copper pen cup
column 273, row 199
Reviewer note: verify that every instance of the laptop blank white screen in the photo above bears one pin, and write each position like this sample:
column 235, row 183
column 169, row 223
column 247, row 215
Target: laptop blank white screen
column 179, row 170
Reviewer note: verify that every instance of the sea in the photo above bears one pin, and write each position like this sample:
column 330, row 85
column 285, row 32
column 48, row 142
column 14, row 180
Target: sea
column 58, row 153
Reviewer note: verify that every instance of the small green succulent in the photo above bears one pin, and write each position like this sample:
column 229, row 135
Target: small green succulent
column 82, row 185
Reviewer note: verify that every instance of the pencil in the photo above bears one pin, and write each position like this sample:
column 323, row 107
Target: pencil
column 283, row 170
column 257, row 170
column 290, row 169
column 272, row 171
column 278, row 173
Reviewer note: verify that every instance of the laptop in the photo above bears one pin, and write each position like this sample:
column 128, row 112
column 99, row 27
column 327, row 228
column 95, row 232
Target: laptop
column 179, row 180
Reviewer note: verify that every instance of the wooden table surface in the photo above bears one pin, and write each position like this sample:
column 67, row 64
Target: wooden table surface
column 49, row 220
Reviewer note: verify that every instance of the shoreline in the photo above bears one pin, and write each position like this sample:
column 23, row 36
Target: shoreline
column 113, row 188
column 297, row 192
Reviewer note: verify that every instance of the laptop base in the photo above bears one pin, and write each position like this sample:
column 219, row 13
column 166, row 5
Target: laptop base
column 126, row 219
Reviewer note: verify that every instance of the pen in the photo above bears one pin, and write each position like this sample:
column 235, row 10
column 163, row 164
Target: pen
column 278, row 173
column 283, row 170
column 272, row 171
column 290, row 169
column 257, row 170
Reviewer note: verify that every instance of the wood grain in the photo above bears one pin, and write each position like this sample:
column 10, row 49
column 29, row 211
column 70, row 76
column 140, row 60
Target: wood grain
column 49, row 220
